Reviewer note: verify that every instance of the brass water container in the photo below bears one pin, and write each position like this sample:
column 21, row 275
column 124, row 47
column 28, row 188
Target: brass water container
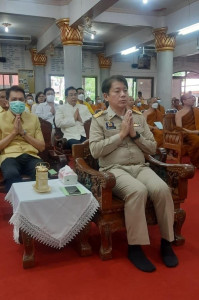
column 41, row 185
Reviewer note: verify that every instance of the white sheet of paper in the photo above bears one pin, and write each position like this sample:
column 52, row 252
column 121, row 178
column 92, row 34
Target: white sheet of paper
column 159, row 125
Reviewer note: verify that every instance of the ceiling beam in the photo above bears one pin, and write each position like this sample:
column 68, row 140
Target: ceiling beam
column 76, row 12
column 31, row 9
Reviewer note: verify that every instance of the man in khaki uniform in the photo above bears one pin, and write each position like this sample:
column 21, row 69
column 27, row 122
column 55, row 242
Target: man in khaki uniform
column 119, row 138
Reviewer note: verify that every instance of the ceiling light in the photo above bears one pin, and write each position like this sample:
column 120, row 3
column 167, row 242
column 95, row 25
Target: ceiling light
column 145, row 1
column 6, row 25
column 92, row 36
column 129, row 50
column 189, row 29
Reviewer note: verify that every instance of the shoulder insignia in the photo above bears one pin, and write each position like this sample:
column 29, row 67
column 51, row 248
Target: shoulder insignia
column 137, row 112
column 99, row 113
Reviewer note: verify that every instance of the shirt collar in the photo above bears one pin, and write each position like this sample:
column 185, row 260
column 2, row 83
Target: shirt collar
column 111, row 113
column 12, row 116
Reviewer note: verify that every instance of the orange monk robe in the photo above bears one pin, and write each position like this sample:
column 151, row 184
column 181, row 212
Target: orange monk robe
column 156, row 116
column 99, row 106
column 161, row 109
column 135, row 108
column 191, row 121
column 143, row 107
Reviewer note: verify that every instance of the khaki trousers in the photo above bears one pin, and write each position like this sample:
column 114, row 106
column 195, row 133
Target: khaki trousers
column 134, row 184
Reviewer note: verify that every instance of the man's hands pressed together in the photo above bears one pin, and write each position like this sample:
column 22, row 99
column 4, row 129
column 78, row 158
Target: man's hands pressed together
column 127, row 127
column 77, row 115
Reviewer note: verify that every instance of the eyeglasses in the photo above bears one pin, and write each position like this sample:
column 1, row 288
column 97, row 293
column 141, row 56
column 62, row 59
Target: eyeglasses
column 192, row 98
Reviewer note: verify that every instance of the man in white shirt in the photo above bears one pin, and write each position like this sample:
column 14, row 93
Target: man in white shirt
column 46, row 110
column 70, row 117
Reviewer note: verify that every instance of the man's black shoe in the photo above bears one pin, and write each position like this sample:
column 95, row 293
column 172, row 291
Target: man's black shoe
column 168, row 256
column 138, row 258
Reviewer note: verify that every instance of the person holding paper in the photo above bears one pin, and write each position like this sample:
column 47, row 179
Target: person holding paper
column 154, row 119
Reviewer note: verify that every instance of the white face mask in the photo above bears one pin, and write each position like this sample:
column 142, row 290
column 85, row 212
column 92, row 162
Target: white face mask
column 81, row 97
column 159, row 101
column 50, row 98
column 99, row 101
column 30, row 101
column 90, row 102
column 154, row 105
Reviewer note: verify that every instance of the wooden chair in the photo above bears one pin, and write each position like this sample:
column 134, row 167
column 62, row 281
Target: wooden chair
column 110, row 216
column 55, row 158
column 172, row 139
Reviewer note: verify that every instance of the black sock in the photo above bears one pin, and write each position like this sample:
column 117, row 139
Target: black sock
column 138, row 258
column 168, row 256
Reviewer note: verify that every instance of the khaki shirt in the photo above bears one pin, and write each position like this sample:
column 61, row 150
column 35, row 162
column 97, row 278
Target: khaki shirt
column 1, row 109
column 105, row 142
column 18, row 146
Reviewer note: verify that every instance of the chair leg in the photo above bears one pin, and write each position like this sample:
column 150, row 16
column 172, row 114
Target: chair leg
column 29, row 251
column 105, row 251
column 179, row 218
column 84, row 248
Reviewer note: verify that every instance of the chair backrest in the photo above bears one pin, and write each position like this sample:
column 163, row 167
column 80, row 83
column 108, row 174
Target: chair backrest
column 169, row 122
column 87, row 125
column 46, row 128
column 83, row 151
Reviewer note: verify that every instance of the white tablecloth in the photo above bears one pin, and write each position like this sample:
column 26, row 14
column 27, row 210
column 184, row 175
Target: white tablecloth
column 51, row 218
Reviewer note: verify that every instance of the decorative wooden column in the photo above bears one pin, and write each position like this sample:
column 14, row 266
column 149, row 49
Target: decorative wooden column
column 39, row 61
column 72, row 40
column 105, row 65
column 165, row 45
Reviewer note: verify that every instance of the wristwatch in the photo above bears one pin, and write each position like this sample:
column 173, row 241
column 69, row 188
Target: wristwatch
column 24, row 133
column 137, row 136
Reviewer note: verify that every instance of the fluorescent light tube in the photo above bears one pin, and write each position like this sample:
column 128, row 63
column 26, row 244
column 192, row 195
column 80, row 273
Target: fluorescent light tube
column 189, row 29
column 129, row 50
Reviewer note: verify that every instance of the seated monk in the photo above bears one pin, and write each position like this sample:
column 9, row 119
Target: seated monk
column 187, row 120
column 176, row 104
column 99, row 105
column 154, row 115
column 131, row 104
column 141, row 105
column 160, row 107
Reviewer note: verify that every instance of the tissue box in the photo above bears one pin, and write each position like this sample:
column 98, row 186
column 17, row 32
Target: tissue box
column 67, row 176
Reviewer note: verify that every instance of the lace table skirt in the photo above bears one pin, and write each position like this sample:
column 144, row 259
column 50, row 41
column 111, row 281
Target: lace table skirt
column 53, row 218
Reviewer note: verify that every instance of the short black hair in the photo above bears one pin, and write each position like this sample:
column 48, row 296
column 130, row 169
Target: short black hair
column 106, row 84
column 79, row 88
column 37, row 96
column 14, row 88
column 28, row 95
column 68, row 89
column 48, row 89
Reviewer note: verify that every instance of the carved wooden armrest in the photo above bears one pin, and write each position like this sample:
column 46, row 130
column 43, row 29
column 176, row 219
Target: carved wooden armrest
column 173, row 137
column 99, row 183
column 161, row 154
column 175, row 175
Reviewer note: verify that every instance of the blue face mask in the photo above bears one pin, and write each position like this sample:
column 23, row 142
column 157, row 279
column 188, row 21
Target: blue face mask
column 139, row 104
column 159, row 101
column 17, row 107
